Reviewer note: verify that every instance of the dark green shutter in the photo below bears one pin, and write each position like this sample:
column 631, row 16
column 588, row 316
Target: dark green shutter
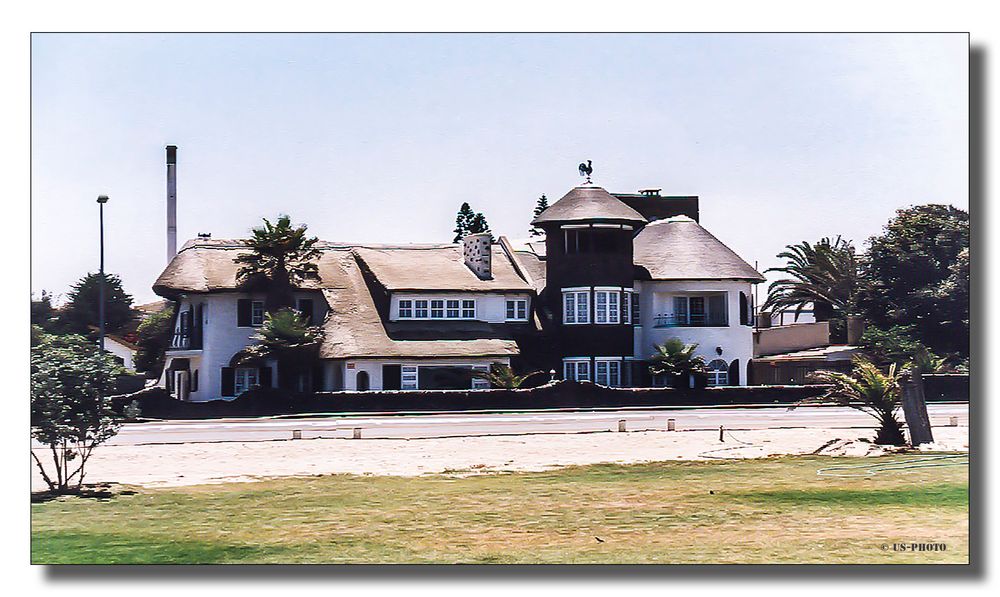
column 392, row 377
column 228, row 381
column 744, row 310
column 306, row 309
column 243, row 309
column 265, row 377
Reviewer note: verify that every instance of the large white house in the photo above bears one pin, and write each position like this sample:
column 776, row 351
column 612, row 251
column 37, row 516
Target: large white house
column 615, row 275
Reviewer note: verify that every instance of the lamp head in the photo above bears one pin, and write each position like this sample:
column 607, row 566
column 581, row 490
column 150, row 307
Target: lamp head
column 102, row 199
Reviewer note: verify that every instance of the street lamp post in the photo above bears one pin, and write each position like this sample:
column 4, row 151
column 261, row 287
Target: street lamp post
column 101, row 200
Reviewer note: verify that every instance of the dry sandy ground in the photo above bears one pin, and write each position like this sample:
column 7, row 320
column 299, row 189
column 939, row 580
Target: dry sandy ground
column 168, row 465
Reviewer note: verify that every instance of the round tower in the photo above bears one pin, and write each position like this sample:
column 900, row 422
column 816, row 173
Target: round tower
column 587, row 302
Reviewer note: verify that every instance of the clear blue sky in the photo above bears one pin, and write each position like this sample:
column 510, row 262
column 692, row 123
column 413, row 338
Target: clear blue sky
column 381, row 137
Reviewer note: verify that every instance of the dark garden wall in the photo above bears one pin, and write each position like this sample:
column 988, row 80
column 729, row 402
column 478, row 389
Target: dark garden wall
column 156, row 403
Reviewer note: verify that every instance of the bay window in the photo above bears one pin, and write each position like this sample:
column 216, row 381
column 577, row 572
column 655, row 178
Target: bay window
column 576, row 306
column 608, row 371
column 606, row 307
column 576, row 369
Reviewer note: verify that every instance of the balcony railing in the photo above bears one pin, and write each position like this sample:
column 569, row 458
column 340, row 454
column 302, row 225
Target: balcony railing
column 182, row 341
column 691, row 320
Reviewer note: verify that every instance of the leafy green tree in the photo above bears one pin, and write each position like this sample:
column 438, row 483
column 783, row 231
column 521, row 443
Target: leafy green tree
column 826, row 275
column 897, row 344
column 286, row 337
column 503, row 376
column 676, row 360
column 43, row 314
column 917, row 273
column 869, row 390
column 83, row 309
column 154, row 336
column 70, row 411
column 281, row 257
column 542, row 205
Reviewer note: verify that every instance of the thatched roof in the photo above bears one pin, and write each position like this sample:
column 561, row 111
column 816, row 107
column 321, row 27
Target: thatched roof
column 355, row 329
column 679, row 248
column 589, row 203
column 207, row 265
column 440, row 268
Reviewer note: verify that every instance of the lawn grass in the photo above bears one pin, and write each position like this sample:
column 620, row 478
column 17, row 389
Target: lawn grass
column 755, row 511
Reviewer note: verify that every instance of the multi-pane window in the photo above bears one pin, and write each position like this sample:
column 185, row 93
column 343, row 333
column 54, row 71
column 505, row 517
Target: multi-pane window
column 710, row 310
column 627, row 298
column 244, row 379
column 517, row 309
column 576, row 369
column 436, row 309
column 606, row 307
column 608, row 372
column 718, row 373
column 576, row 306
column 480, row 383
column 257, row 313
column 408, row 377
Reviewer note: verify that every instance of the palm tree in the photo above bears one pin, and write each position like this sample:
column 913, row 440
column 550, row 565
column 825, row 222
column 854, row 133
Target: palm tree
column 502, row 376
column 869, row 390
column 676, row 361
column 281, row 258
column 925, row 361
column 288, row 339
column 825, row 274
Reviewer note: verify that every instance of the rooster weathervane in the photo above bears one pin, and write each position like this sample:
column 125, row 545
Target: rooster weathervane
column 586, row 170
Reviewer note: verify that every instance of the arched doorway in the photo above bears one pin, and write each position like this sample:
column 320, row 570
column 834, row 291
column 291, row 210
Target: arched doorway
column 718, row 373
column 363, row 384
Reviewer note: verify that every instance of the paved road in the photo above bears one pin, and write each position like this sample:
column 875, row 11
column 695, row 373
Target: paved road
column 464, row 424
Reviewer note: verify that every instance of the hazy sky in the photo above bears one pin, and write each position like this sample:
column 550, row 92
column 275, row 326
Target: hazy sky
column 381, row 137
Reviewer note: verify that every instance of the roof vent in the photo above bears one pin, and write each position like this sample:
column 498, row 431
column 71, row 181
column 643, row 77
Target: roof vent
column 650, row 192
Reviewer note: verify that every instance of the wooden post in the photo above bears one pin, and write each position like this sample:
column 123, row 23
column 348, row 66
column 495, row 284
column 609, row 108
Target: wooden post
column 621, row 425
column 296, row 434
column 721, row 431
column 357, row 433
column 915, row 408
column 671, row 425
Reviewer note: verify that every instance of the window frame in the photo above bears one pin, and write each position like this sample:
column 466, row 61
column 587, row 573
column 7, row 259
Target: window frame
column 610, row 311
column 717, row 377
column 515, row 309
column 575, row 364
column 440, row 309
column 254, row 321
column 572, row 316
column 610, row 363
column 249, row 372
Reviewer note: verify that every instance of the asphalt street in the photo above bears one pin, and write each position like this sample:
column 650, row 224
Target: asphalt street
column 516, row 423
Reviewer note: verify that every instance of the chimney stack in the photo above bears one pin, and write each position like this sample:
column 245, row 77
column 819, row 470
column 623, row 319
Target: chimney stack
column 171, row 202
column 479, row 254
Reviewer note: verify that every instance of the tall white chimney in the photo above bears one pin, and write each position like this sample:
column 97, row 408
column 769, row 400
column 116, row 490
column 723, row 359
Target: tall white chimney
column 171, row 202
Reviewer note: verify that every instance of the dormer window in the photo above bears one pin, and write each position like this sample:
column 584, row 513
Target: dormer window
column 427, row 308
column 517, row 310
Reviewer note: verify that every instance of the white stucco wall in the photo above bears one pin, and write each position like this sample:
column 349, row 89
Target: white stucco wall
column 490, row 307
column 736, row 341
column 222, row 338
column 126, row 354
